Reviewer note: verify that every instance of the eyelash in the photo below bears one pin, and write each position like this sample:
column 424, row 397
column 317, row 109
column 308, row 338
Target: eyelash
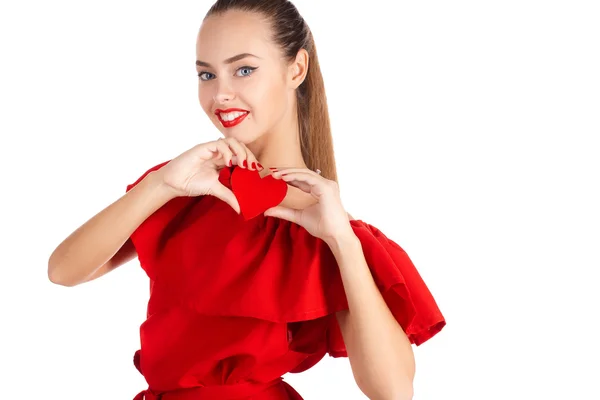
column 244, row 67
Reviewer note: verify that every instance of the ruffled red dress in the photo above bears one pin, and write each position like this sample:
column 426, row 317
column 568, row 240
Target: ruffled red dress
column 237, row 302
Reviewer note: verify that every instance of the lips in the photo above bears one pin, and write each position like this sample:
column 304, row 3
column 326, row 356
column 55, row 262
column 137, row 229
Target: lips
column 234, row 122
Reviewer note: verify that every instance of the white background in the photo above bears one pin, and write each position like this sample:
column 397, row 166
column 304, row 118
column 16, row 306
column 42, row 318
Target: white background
column 467, row 131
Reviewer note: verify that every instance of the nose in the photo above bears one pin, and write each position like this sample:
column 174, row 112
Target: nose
column 224, row 93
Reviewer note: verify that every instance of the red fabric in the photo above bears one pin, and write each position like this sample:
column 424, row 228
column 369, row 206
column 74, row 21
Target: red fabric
column 240, row 302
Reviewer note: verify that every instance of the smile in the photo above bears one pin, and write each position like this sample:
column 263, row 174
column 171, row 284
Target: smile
column 231, row 116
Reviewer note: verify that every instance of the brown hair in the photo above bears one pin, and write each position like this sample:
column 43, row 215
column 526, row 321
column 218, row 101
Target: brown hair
column 292, row 33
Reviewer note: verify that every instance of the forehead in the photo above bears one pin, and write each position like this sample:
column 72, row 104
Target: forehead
column 231, row 33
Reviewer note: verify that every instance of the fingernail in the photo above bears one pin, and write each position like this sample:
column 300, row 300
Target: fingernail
column 230, row 163
column 245, row 163
column 260, row 166
column 253, row 165
column 272, row 168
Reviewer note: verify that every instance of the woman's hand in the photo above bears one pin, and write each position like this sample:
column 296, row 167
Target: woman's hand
column 326, row 219
column 196, row 171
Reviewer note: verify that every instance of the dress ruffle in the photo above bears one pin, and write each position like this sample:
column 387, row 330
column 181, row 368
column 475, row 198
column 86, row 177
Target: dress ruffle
column 203, row 257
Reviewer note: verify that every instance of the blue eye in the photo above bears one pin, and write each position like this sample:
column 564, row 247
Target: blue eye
column 247, row 68
column 246, row 71
column 202, row 75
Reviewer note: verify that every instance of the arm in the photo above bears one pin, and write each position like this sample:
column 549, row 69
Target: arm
column 379, row 351
column 380, row 354
column 102, row 243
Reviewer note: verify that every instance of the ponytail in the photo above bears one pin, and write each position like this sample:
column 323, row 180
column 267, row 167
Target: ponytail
column 313, row 118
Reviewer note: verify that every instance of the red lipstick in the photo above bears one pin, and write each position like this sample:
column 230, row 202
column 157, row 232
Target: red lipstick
column 229, row 124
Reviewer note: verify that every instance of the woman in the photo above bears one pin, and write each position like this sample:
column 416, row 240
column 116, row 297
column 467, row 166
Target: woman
column 255, row 267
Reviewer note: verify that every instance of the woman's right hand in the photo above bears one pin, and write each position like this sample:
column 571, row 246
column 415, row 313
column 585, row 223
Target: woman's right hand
column 196, row 171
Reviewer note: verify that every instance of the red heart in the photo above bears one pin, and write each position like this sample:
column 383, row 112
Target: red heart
column 255, row 194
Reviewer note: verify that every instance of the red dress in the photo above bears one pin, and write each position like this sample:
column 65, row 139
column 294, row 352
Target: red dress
column 236, row 303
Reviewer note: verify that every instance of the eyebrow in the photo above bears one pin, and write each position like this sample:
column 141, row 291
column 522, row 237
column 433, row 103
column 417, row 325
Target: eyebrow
column 227, row 61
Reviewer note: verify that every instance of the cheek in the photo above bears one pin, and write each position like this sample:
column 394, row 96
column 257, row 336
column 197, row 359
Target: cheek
column 206, row 100
column 268, row 100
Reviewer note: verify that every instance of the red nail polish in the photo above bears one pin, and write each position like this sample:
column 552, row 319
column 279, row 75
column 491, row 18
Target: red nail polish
column 245, row 163
column 230, row 163
column 272, row 168
column 253, row 165
column 260, row 166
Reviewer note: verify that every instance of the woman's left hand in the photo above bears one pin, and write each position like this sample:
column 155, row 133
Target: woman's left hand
column 325, row 219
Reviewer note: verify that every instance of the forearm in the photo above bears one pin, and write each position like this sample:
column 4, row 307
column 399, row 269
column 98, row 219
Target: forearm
column 380, row 354
column 96, row 241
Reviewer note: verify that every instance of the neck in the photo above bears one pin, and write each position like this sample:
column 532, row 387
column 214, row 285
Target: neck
column 281, row 146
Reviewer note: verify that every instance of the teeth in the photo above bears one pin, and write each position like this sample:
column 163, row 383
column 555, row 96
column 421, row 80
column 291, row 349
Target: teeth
column 231, row 116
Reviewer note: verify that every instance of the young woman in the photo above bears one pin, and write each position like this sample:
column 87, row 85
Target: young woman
column 256, row 269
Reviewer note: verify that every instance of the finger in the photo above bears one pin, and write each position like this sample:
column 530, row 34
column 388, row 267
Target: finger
column 305, row 187
column 239, row 151
column 206, row 151
column 289, row 214
column 222, row 192
column 224, row 149
column 288, row 170
column 305, row 181
column 252, row 161
column 218, row 158
column 302, row 176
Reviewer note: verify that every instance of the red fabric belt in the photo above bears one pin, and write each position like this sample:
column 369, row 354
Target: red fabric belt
column 217, row 392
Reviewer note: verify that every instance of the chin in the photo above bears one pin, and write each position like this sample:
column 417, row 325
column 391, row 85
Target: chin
column 241, row 135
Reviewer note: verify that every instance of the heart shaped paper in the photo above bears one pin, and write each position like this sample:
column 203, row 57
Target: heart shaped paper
column 255, row 194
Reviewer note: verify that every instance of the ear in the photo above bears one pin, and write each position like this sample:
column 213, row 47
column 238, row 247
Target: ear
column 298, row 69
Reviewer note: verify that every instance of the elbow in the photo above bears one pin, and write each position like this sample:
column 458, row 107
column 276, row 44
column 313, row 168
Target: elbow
column 54, row 274
column 59, row 281
column 403, row 390
column 399, row 391
column 406, row 394
column 53, row 270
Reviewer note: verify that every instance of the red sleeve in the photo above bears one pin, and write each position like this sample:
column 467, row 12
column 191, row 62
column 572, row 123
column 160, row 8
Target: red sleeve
column 402, row 288
column 145, row 237
column 155, row 168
